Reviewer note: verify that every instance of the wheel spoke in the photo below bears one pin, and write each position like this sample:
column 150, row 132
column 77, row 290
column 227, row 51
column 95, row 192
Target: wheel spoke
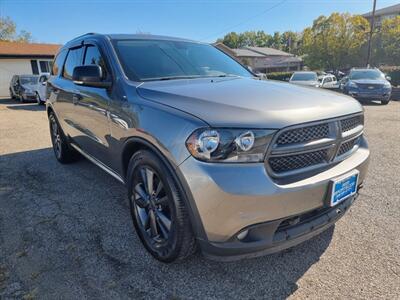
column 164, row 220
column 141, row 198
column 161, row 201
column 144, row 217
column 150, row 181
column 153, row 224
column 164, row 231
column 159, row 188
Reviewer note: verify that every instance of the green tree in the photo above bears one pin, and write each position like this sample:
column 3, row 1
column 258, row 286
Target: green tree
column 335, row 42
column 231, row 40
column 8, row 31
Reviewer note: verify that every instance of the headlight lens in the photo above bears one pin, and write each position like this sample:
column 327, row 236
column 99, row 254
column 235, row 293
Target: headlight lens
column 352, row 84
column 229, row 145
column 387, row 85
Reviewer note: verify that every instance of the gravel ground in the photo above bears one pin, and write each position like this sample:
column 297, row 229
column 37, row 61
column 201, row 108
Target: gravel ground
column 66, row 233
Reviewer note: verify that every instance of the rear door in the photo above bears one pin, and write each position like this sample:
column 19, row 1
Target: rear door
column 91, row 106
column 64, row 90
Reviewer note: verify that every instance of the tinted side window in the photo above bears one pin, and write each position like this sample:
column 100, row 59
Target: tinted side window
column 74, row 59
column 58, row 62
column 94, row 57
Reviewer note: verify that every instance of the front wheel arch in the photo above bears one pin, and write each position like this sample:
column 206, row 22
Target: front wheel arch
column 135, row 144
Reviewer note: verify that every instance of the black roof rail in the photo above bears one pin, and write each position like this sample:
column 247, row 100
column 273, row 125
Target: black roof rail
column 83, row 35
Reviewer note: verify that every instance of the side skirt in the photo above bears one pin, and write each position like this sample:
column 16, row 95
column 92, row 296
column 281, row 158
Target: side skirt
column 99, row 164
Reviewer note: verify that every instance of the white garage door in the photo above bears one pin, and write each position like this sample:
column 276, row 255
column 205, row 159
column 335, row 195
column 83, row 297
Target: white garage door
column 10, row 67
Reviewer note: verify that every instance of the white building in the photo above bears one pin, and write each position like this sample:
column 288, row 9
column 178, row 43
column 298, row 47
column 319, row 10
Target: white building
column 23, row 58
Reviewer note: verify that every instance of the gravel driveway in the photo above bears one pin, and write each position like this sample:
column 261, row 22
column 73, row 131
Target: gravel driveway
column 66, row 232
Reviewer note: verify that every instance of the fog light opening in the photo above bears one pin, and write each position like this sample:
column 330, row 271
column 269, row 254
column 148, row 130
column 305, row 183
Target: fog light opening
column 242, row 235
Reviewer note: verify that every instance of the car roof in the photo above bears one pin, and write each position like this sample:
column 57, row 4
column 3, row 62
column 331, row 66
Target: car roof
column 147, row 37
column 115, row 36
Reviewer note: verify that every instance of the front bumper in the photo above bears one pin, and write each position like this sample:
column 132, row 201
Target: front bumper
column 230, row 198
column 375, row 95
column 29, row 95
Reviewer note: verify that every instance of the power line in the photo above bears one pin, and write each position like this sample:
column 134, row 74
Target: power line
column 246, row 20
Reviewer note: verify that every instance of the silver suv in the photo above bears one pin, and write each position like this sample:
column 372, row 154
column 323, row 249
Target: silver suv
column 212, row 158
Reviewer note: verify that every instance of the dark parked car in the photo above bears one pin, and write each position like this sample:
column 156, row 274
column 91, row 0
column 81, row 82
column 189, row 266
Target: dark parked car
column 23, row 87
column 368, row 85
column 211, row 156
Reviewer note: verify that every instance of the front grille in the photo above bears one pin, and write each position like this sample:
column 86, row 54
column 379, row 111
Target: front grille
column 290, row 154
column 347, row 146
column 303, row 134
column 369, row 86
column 351, row 123
column 298, row 161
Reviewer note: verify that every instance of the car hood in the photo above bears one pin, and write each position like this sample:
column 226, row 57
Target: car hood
column 242, row 102
column 28, row 86
column 305, row 82
column 369, row 81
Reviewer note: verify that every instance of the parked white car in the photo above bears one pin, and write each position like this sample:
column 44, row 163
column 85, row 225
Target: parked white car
column 40, row 89
column 328, row 81
column 305, row 78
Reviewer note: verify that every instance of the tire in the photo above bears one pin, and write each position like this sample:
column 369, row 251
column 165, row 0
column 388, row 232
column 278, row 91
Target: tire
column 63, row 151
column 161, row 220
column 38, row 100
column 384, row 102
column 12, row 96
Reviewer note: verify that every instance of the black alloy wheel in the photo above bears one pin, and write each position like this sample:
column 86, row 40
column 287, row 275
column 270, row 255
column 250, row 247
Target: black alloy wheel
column 158, row 210
column 62, row 150
column 55, row 136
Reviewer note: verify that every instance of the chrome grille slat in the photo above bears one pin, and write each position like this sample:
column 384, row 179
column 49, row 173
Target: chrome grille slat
column 304, row 134
column 347, row 146
column 351, row 123
column 298, row 161
column 305, row 147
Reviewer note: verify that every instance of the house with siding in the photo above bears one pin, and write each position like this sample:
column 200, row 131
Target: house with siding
column 23, row 58
column 264, row 59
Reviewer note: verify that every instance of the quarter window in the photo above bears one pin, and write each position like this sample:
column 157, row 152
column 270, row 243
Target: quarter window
column 74, row 59
column 58, row 62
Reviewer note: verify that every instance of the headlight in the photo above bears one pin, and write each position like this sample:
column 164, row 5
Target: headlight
column 352, row 84
column 387, row 85
column 229, row 145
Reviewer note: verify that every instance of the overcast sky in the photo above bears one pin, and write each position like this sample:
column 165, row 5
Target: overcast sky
column 59, row 21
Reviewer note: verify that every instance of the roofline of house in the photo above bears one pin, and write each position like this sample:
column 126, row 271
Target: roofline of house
column 21, row 56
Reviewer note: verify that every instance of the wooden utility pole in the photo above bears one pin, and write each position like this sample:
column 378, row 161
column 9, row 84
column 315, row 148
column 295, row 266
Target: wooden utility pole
column 370, row 34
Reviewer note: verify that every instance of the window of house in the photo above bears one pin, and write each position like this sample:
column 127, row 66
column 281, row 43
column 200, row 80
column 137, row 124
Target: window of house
column 44, row 66
column 74, row 59
column 35, row 69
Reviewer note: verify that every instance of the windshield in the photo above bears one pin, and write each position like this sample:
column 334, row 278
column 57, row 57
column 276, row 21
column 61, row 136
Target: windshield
column 304, row 77
column 161, row 60
column 366, row 74
column 28, row 80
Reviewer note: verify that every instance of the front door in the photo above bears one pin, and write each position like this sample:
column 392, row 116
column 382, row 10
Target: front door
column 91, row 111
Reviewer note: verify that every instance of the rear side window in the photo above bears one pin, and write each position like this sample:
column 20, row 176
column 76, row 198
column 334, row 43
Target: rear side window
column 94, row 57
column 74, row 59
column 58, row 62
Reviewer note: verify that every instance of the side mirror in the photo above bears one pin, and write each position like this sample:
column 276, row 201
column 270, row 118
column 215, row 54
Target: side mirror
column 388, row 78
column 90, row 75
